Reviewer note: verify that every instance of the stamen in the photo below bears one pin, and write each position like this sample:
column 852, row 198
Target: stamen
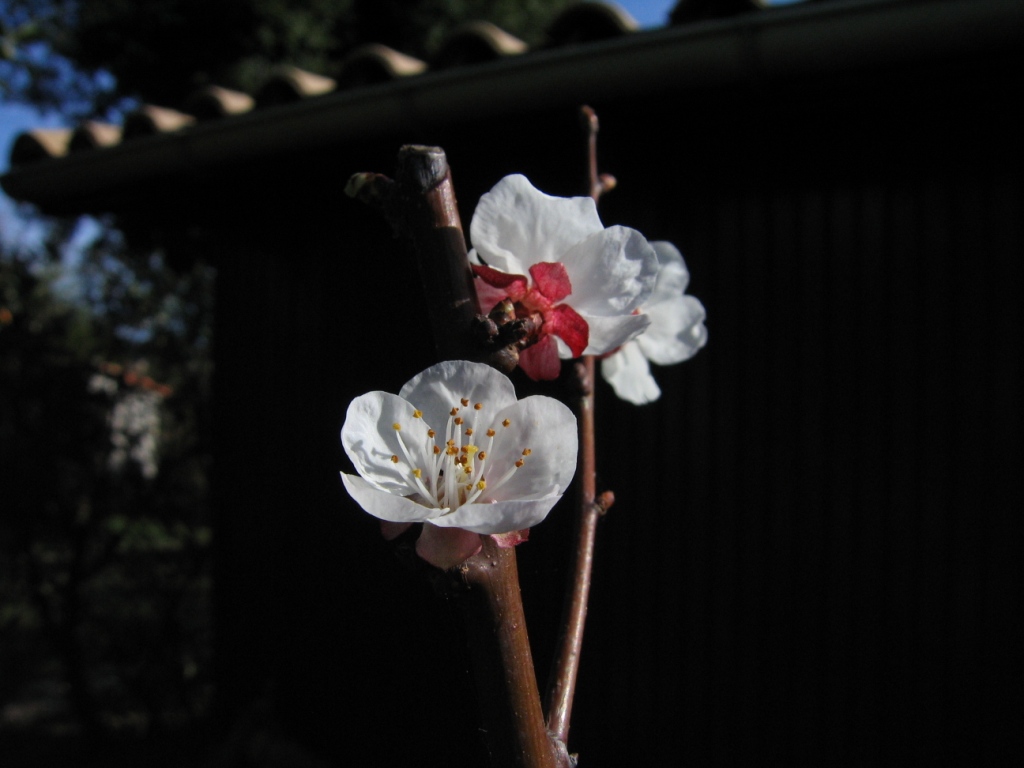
column 431, row 433
column 465, row 401
column 417, row 414
column 527, row 451
column 482, row 455
column 491, row 433
column 453, row 411
column 394, row 459
column 506, row 423
column 417, row 473
column 437, row 449
column 469, row 430
column 477, row 406
column 405, row 451
column 396, row 426
column 458, row 421
column 506, row 476
column 480, row 486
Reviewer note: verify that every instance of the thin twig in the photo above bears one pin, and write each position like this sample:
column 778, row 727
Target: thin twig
column 563, row 679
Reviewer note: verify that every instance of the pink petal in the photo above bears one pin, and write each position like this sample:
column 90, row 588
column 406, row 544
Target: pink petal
column 540, row 362
column 552, row 280
column 514, row 285
column 511, row 539
column 567, row 324
column 391, row 530
column 447, row 547
column 488, row 296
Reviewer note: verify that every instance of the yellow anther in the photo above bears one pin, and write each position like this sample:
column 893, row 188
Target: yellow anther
column 417, row 414
column 394, row 459
column 482, row 455
column 519, row 462
column 490, row 433
column 465, row 401
column 458, row 420
column 469, row 430
column 506, row 423
column 431, row 433
column 451, row 442
column 477, row 406
column 418, row 472
column 481, row 484
column 454, row 411
column 527, row 451
column 452, row 450
column 396, row 426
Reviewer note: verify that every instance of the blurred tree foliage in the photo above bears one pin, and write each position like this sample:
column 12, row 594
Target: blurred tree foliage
column 103, row 454
column 85, row 57
column 105, row 353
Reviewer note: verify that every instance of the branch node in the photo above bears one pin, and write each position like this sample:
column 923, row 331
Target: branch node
column 604, row 502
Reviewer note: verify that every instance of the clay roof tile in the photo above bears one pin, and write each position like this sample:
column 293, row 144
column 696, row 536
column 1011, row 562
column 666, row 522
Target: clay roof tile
column 40, row 144
column 374, row 63
column 476, row 42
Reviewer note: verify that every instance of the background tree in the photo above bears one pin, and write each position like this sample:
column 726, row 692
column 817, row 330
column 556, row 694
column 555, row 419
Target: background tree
column 104, row 354
column 103, row 539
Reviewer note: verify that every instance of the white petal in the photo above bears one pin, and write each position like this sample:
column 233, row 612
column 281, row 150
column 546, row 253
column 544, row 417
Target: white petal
column 607, row 333
column 370, row 440
column 612, row 272
column 677, row 331
column 673, row 276
column 441, row 387
column 630, row 375
column 548, row 428
column 515, row 226
column 499, row 516
column 384, row 505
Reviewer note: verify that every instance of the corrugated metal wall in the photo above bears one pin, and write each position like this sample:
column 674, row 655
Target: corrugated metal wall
column 813, row 559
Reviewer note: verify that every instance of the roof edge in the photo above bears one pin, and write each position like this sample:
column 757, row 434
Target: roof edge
column 814, row 38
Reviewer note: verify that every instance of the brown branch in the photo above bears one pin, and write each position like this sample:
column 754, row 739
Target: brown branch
column 420, row 204
column 509, row 698
column 562, row 686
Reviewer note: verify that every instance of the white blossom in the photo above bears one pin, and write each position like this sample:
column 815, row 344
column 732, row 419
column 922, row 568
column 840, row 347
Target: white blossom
column 457, row 451
column 676, row 332
column 552, row 256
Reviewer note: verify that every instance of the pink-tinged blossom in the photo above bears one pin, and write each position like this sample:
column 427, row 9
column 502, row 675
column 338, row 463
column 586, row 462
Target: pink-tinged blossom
column 676, row 332
column 455, row 450
column 552, row 258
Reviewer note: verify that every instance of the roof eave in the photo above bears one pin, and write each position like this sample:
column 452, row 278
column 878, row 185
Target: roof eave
column 817, row 38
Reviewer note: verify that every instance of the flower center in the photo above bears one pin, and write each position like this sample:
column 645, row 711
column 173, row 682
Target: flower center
column 459, row 469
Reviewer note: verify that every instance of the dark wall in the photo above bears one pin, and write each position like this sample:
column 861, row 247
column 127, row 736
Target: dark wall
column 811, row 560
